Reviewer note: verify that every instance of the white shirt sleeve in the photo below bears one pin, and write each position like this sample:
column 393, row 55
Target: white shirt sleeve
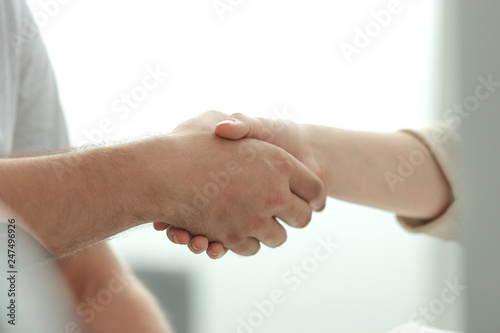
column 39, row 121
column 442, row 140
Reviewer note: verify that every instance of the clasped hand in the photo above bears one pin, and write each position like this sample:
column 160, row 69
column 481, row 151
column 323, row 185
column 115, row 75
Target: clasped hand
column 237, row 181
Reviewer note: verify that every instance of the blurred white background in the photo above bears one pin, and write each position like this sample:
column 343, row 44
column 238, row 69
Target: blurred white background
column 266, row 56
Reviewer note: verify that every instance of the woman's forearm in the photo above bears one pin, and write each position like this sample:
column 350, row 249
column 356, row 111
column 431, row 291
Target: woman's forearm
column 391, row 171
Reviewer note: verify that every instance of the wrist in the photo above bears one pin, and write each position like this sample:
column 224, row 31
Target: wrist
column 115, row 183
column 316, row 146
column 150, row 178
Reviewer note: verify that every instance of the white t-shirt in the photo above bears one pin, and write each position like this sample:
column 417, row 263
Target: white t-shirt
column 30, row 113
column 30, row 120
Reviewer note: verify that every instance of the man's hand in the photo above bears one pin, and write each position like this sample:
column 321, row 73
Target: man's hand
column 292, row 137
column 232, row 191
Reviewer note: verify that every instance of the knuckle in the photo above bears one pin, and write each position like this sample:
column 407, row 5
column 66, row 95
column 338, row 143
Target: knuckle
column 253, row 249
column 275, row 198
column 231, row 241
column 283, row 162
column 256, row 225
column 303, row 222
column 249, row 248
column 280, row 239
column 317, row 191
column 267, row 129
column 237, row 115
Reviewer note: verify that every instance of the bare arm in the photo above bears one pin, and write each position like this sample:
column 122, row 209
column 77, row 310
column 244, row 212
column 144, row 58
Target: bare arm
column 355, row 165
column 362, row 167
column 225, row 190
column 95, row 272
column 69, row 201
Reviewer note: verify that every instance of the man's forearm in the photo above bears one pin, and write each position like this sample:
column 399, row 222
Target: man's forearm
column 69, row 201
column 356, row 164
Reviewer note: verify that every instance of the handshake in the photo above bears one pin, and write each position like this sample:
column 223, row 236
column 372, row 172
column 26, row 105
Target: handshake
column 219, row 183
column 228, row 179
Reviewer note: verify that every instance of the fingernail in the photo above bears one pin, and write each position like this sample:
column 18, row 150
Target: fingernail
column 174, row 239
column 227, row 121
column 194, row 247
column 321, row 209
column 213, row 254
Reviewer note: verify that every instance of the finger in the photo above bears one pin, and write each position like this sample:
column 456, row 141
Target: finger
column 238, row 126
column 322, row 208
column 233, row 128
column 296, row 212
column 178, row 236
column 216, row 250
column 160, row 226
column 279, row 132
column 270, row 232
column 249, row 247
column 198, row 244
column 307, row 185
